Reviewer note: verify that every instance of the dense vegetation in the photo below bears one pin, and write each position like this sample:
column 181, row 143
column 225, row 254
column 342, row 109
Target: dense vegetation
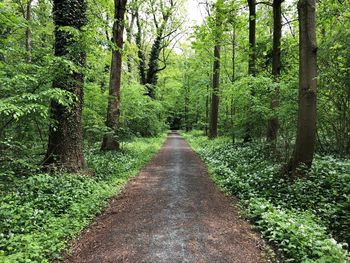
column 87, row 82
column 298, row 215
column 40, row 212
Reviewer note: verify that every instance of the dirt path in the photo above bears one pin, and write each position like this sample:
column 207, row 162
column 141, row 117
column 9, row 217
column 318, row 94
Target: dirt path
column 171, row 212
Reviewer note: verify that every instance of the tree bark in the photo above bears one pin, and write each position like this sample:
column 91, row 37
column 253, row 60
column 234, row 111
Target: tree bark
column 252, row 37
column 213, row 128
column 306, row 129
column 153, row 67
column 233, row 78
column 110, row 142
column 65, row 146
column 28, row 31
column 214, row 113
column 252, row 55
column 140, row 54
column 272, row 125
column 129, row 32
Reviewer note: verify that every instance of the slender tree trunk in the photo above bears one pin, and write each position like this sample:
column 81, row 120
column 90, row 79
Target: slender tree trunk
column 213, row 128
column 28, row 31
column 206, row 131
column 110, row 142
column 272, row 125
column 187, row 122
column 233, row 58
column 233, row 78
column 306, row 129
column 65, row 147
column 252, row 37
column 140, row 54
column 129, row 31
column 252, row 56
column 214, row 112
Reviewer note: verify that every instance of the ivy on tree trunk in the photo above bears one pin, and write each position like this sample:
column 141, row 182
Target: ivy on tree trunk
column 65, row 147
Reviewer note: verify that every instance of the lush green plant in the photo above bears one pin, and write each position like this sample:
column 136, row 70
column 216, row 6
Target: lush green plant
column 41, row 212
column 298, row 234
column 321, row 199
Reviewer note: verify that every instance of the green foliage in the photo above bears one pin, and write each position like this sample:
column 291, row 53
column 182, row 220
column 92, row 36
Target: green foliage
column 320, row 202
column 141, row 115
column 298, row 234
column 40, row 213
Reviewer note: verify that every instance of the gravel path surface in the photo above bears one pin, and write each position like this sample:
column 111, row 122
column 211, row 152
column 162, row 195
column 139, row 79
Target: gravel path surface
column 170, row 212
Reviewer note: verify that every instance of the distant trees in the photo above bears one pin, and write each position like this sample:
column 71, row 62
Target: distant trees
column 110, row 141
column 65, row 147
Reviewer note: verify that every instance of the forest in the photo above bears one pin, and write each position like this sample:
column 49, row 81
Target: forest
column 90, row 91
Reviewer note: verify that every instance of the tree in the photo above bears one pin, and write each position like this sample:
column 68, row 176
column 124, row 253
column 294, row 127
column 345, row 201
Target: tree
column 252, row 37
column 163, row 14
column 65, row 147
column 306, row 127
column 213, row 125
column 252, row 54
column 113, row 112
column 272, row 126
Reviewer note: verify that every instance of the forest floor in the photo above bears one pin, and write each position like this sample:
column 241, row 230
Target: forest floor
column 171, row 212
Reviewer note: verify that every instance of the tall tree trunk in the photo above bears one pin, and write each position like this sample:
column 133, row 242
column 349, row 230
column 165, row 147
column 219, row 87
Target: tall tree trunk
column 252, row 56
column 214, row 113
column 272, row 125
column 206, row 131
column 110, row 143
column 28, row 31
column 65, row 147
column 233, row 78
column 129, row 31
column 140, row 54
column 306, row 129
column 215, row 100
column 233, row 58
column 152, row 78
column 153, row 66
column 252, row 37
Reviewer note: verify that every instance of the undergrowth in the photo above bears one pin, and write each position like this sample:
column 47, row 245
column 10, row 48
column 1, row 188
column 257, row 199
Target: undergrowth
column 303, row 217
column 40, row 213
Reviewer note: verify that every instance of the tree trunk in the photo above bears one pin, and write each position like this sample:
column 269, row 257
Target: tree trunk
column 214, row 113
column 252, row 37
column 233, row 78
column 129, row 31
column 206, row 131
column 213, row 128
column 252, row 55
column 65, row 147
column 110, row 142
column 233, row 58
column 153, row 67
column 28, row 31
column 306, row 129
column 152, row 78
column 140, row 54
column 272, row 126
